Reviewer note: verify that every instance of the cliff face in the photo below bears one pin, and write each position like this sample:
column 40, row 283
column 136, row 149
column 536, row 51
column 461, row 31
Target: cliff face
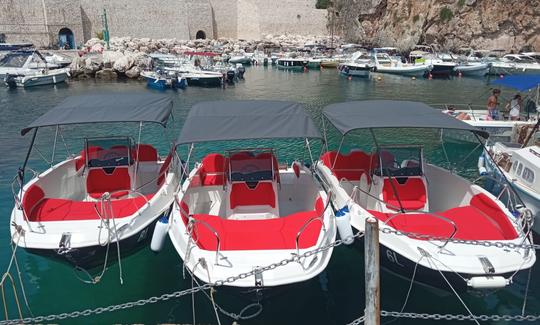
column 481, row 24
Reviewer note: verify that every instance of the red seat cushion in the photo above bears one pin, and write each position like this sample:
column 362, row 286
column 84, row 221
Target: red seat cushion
column 68, row 210
column 262, row 194
column 279, row 233
column 212, row 171
column 99, row 182
column 31, row 198
column 411, row 194
column 145, row 152
column 351, row 166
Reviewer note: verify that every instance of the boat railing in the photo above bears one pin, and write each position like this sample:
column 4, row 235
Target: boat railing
column 191, row 228
column 18, row 193
column 319, row 218
column 354, row 194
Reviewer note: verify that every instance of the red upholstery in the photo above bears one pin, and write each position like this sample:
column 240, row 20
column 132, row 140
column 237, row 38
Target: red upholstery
column 81, row 160
column 68, row 210
column 31, row 198
column 351, row 166
column 492, row 211
column 213, row 169
column 262, row 194
column 275, row 165
column 412, row 194
column 471, row 223
column 279, row 233
column 146, row 152
column 99, row 182
column 164, row 169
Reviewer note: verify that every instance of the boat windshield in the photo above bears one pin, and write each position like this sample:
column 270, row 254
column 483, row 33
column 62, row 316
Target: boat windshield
column 14, row 60
column 252, row 165
column 108, row 152
column 400, row 161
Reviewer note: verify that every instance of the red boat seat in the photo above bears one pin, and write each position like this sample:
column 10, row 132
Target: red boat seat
column 262, row 194
column 482, row 220
column 213, row 169
column 146, row 152
column 351, row 166
column 279, row 233
column 411, row 194
column 118, row 183
column 81, row 160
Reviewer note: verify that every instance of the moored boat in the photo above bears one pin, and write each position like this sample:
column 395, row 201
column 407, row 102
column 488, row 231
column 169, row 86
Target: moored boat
column 102, row 203
column 473, row 69
column 295, row 64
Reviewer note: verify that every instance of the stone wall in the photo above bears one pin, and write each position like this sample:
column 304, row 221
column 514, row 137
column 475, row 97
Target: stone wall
column 225, row 18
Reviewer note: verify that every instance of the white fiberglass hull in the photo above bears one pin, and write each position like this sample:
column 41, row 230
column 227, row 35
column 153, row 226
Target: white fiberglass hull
column 473, row 70
column 413, row 71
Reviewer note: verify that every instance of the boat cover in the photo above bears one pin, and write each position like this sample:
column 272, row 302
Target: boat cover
column 107, row 107
column 519, row 82
column 369, row 114
column 246, row 119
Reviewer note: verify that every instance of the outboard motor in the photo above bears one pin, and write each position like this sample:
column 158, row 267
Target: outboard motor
column 241, row 71
column 230, row 76
column 10, row 80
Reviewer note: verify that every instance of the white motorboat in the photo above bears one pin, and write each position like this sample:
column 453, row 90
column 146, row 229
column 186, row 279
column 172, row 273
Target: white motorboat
column 37, row 78
column 359, row 65
column 239, row 210
column 443, row 65
column 512, row 64
column 385, row 64
column 104, row 202
column 473, row 69
column 23, row 62
column 240, row 58
column 430, row 218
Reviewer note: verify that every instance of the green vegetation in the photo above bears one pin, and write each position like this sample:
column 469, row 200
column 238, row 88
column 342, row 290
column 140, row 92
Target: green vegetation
column 446, row 14
column 461, row 3
column 99, row 35
column 415, row 18
column 322, row 4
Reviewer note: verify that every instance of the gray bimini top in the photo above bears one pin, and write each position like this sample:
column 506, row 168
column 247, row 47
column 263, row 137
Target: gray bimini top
column 246, row 119
column 108, row 107
column 369, row 114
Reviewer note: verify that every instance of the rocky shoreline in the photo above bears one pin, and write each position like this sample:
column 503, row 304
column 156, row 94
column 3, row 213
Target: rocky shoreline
column 128, row 57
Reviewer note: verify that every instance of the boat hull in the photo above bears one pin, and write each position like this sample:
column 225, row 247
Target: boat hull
column 442, row 70
column 355, row 71
column 205, row 81
column 479, row 70
column 41, row 80
column 94, row 256
column 418, row 71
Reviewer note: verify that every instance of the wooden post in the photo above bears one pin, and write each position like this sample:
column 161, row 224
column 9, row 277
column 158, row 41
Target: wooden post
column 372, row 265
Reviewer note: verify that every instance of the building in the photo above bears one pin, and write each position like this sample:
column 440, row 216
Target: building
column 52, row 23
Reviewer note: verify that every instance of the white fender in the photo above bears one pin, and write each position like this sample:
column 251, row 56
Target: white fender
column 343, row 223
column 160, row 233
column 487, row 282
column 481, row 167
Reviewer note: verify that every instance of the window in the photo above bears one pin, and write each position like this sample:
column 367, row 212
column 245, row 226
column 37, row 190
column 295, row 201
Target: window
column 520, row 167
column 528, row 175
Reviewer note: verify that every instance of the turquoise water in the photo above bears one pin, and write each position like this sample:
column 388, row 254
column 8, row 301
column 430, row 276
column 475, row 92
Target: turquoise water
column 337, row 297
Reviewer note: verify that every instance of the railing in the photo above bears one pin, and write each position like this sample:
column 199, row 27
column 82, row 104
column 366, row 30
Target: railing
column 192, row 222
column 308, row 222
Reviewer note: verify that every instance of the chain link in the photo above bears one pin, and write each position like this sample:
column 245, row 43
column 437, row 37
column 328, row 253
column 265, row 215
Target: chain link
column 178, row 294
column 359, row 320
column 483, row 243
column 461, row 317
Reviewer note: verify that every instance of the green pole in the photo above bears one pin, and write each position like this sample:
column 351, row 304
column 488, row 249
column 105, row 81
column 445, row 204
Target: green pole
column 105, row 28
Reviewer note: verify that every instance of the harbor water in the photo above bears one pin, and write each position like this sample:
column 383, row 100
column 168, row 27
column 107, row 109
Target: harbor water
column 335, row 297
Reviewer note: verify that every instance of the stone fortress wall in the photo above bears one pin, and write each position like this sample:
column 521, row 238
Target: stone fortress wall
column 40, row 21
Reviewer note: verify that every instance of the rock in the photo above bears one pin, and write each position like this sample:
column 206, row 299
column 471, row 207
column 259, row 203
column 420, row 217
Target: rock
column 92, row 64
column 124, row 63
column 106, row 74
column 133, row 72
column 110, row 57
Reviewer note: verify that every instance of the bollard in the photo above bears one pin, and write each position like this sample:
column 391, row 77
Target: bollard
column 372, row 273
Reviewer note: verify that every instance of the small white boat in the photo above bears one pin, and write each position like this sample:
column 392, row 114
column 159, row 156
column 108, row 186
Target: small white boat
column 430, row 218
column 23, row 62
column 37, row 78
column 240, row 209
column 473, row 69
column 104, row 202
column 240, row 58
column 513, row 64
column 385, row 64
column 359, row 65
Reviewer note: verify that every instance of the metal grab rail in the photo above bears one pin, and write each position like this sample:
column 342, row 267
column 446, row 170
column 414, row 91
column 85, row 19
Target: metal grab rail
column 356, row 188
column 308, row 222
column 432, row 214
column 193, row 221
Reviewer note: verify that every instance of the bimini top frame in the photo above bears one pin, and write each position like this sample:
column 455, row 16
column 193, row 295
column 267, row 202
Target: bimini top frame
column 373, row 114
column 246, row 119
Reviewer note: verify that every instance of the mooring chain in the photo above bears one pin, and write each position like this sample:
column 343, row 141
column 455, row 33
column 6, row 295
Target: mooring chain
column 483, row 243
column 178, row 294
column 359, row 320
column 461, row 317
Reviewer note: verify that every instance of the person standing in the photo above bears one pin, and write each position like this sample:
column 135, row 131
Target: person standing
column 515, row 107
column 493, row 102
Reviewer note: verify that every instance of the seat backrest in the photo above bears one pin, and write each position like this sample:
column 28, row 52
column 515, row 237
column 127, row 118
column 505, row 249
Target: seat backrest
column 31, row 197
column 262, row 194
column 98, row 181
column 145, row 152
column 351, row 166
column 212, row 170
column 411, row 189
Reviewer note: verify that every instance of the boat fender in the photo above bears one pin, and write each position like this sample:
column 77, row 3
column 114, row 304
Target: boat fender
column 481, row 169
column 296, row 168
column 343, row 223
column 487, row 282
column 160, row 233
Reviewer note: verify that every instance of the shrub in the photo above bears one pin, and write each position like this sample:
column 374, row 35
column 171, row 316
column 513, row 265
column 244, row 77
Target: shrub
column 415, row 18
column 446, row 14
column 322, row 4
column 99, row 35
column 461, row 3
